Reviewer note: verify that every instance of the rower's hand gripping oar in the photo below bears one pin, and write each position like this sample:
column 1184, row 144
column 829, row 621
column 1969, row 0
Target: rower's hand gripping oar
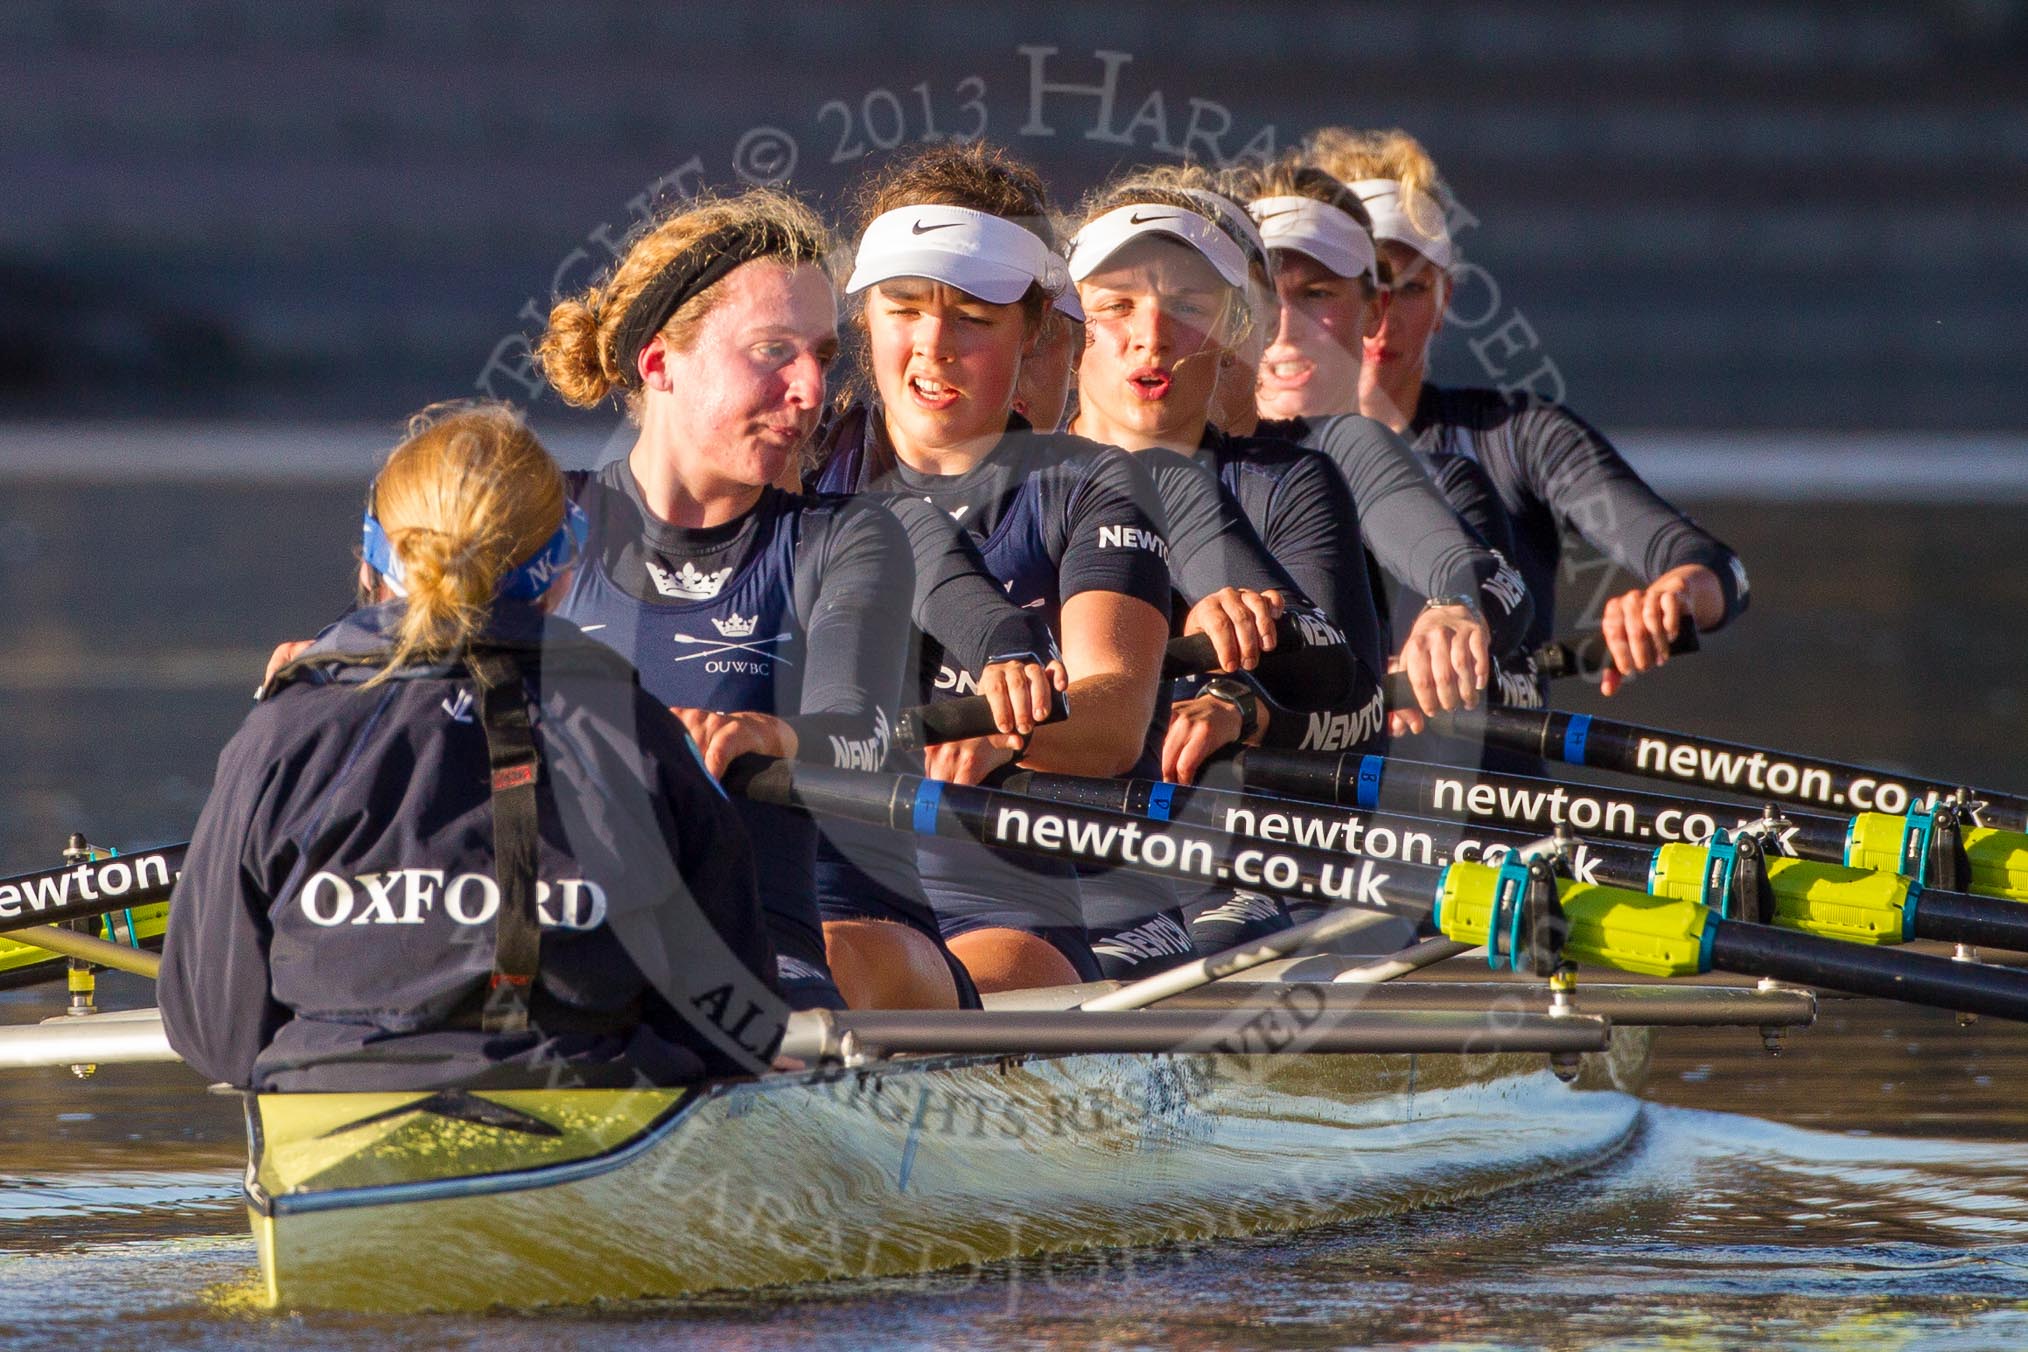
column 1588, row 656
column 1585, row 656
column 954, row 720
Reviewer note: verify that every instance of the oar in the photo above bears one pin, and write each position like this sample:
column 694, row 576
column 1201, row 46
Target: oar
column 1585, row 656
column 1588, row 655
column 952, row 720
column 1291, row 658
column 95, row 887
column 1470, row 903
column 1754, row 772
column 1927, row 846
column 1827, row 898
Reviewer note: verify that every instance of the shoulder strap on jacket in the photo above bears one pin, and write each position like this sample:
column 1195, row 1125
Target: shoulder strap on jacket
column 514, row 766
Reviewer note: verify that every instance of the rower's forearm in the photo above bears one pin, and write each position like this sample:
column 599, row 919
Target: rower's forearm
column 1105, row 733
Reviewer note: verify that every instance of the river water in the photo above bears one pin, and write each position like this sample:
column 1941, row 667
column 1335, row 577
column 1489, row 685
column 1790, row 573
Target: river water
column 1867, row 1189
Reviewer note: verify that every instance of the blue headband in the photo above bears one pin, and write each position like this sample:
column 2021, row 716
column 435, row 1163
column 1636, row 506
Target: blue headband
column 525, row 582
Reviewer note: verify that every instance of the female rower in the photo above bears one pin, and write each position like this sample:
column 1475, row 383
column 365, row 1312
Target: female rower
column 456, row 843
column 765, row 619
column 1164, row 288
column 1469, row 605
column 1553, row 472
column 956, row 268
column 1164, row 282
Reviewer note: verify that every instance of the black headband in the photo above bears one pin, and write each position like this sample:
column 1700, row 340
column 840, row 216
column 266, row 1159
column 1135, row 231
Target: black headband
column 697, row 267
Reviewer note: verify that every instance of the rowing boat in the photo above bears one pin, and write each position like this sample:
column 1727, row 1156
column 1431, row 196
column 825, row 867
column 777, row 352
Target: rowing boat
column 461, row 1200
column 400, row 1202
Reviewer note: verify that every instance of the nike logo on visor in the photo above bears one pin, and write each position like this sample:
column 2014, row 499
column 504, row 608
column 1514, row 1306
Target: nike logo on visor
column 1138, row 219
column 1287, row 211
column 920, row 229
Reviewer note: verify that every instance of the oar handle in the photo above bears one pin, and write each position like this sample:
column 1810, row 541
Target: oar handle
column 1587, row 654
column 953, row 720
column 1194, row 655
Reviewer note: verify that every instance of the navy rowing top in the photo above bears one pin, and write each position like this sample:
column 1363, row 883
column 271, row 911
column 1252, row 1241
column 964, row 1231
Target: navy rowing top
column 795, row 609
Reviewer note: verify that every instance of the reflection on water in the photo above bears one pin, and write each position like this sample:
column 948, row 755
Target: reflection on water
column 1812, row 1223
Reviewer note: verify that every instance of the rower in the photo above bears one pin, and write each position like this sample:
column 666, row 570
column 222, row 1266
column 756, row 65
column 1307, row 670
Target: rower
column 1466, row 605
column 456, row 843
column 1165, row 288
column 1553, row 472
column 1042, row 394
column 765, row 619
column 956, row 268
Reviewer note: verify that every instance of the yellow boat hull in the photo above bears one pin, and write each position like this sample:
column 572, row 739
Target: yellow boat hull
column 394, row 1202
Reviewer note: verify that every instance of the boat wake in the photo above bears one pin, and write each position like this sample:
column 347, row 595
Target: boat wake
column 1706, row 1224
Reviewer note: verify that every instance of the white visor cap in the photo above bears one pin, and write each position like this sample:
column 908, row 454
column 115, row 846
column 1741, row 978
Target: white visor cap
column 1110, row 233
column 1411, row 218
column 1232, row 217
column 978, row 253
column 1323, row 232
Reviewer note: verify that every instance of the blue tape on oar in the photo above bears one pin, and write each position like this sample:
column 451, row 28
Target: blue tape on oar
column 1159, row 799
column 1366, row 786
column 1575, row 734
column 928, row 795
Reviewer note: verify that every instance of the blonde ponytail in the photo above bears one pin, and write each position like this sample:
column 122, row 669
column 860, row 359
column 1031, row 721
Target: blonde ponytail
column 465, row 498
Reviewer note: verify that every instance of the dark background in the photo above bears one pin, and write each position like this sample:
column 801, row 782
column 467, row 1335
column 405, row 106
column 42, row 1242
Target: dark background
column 1710, row 214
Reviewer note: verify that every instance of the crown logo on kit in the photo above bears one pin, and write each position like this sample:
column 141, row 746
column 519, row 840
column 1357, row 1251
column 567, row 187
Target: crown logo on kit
column 735, row 626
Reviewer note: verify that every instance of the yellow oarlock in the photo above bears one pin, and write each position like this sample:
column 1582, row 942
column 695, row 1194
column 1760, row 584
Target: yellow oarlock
column 1611, row 926
column 1999, row 859
column 1854, row 904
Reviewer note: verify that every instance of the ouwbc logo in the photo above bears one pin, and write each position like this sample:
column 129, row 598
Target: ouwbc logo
column 734, row 651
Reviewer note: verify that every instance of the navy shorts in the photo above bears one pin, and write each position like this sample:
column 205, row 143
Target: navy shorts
column 1228, row 918
column 1130, row 952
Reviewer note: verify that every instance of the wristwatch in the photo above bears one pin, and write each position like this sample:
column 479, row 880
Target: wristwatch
column 1240, row 696
column 1470, row 604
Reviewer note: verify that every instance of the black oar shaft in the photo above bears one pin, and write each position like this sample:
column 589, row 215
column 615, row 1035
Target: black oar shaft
column 1384, row 783
column 1094, row 836
column 1375, row 835
column 80, row 891
column 1964, row 918
column 954, row 720
column 1859, row 969
column 1732, row 767
column 1953, row 917
column 1087, row 835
